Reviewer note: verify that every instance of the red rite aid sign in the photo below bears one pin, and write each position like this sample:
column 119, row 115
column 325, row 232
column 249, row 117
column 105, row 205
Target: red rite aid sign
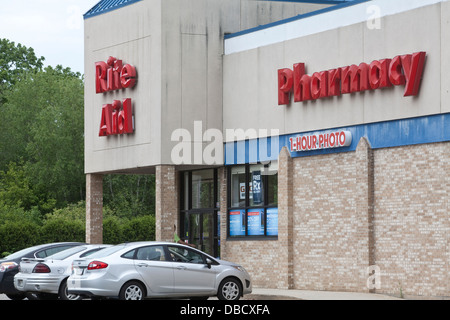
column 402, row 70
column 112, row 75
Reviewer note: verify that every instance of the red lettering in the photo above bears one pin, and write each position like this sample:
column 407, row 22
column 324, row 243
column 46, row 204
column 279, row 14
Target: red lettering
column 319, row 85
column 325, row 141
column 314, row 142
column 112, row 75
column 334, row 82
column 320, row 141
column 355, row 78
column 285, row 82
column 413, row 68
column 332, row 140
column 304, row 143
column 302, row 83
column 402, row 70
column 395, row 72
column 342, row 138
column 106, row 121
column 126, row 117
column 100, row 77
column 379, row 74
column 291, row 143
column 128, row 76
column 117, row 118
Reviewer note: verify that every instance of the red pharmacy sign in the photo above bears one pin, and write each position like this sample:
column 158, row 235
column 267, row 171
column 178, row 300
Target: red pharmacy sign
column 402, row 70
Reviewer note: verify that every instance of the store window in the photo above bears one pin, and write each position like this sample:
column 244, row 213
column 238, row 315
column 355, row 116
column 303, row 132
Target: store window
column 253, row 201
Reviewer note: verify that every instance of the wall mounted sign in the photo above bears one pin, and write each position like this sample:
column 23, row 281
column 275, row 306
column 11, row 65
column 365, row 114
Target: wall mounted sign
column 112, row 75
column 402, row 70
column 320, row 141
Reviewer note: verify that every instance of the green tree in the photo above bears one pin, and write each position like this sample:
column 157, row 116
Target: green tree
column 129, row 196
column 15, row 60
column 44, row 126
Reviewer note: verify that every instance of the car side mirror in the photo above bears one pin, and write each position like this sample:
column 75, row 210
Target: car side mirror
column 208, row 263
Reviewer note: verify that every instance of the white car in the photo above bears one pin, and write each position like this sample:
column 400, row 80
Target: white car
column 45, row 278
column 134, row 271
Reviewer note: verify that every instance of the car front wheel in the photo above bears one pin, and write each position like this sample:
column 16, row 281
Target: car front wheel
column 132, row 291
column 229, row 289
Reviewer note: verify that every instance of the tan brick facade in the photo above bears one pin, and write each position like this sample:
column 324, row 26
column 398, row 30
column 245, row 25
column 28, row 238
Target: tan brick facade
column 412, row 219
column 94, row 208
column 341, row 213
column 166, row 204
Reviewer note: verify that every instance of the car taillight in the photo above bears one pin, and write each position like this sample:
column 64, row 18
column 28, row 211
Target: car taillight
column 95, row 265
column 41, row 268
column 7, row 266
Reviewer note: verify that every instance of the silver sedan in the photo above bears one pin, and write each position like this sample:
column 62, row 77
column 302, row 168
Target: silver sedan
column 134, row 271
column 45, row 278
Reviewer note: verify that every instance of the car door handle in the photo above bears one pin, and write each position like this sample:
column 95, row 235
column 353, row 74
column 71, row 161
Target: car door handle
column 142, row 265
column 181, row 268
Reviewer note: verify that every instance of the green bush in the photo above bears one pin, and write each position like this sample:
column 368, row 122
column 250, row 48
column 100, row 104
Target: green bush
column 139, row 229
column 21, row 229
column 112, row 230
column 18, row 235
column 63, row 230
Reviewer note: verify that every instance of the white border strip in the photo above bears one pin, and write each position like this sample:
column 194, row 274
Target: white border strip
column 322, row 22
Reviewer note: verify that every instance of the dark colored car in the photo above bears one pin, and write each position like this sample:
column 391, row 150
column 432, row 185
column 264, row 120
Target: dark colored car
column 9, row 266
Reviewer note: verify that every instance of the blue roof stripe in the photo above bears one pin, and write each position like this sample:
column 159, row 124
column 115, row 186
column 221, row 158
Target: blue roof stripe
column 107, row 5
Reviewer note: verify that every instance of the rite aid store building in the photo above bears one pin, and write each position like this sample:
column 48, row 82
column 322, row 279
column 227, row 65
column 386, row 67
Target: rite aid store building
column 307, row 140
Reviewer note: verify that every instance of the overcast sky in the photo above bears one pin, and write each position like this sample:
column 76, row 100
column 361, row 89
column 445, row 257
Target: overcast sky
column 53, row 28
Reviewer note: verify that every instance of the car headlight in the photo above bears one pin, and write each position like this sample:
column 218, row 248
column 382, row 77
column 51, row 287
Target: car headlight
column 240, row 268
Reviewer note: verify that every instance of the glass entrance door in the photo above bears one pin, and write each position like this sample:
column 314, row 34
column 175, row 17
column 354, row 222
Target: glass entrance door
column 202, row 231
column 199, row 210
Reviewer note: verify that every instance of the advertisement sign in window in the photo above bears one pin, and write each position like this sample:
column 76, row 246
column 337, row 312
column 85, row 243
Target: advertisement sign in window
column 257, row 187
column 272, row 221
column 255, row 220
column 237, row 223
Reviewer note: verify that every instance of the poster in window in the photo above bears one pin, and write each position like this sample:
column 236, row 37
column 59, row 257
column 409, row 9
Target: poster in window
column 272, row 221
column 257, row 187
column 255, row 221
column 237, row 226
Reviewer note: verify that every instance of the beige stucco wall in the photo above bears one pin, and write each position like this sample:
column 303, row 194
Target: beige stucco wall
column 132, row 34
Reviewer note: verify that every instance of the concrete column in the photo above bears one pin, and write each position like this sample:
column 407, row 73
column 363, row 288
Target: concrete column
column 364, row 166
column 166, row 194
column 285, row 220
column 94, row 208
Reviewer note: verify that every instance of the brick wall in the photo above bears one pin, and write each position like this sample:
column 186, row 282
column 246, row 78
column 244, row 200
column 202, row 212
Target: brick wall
column 94, row 208
column 341, row 213
column 412, row 219
column 326, row 223
column 166, row 202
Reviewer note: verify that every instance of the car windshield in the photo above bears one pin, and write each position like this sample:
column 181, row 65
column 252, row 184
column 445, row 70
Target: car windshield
column 66, row 253
column 21, row 253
